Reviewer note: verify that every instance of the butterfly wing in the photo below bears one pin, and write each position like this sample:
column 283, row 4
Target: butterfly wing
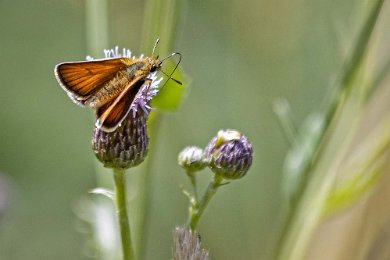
column 111, row 114
column 82, row 79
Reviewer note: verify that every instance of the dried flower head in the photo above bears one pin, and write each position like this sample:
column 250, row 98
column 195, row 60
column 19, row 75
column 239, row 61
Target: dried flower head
column 229, row 154
column 187, row 245
column 192, row 159
column 127, row 145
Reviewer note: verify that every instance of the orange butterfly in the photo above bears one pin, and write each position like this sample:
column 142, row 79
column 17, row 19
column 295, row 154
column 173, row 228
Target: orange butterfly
column 108, row 85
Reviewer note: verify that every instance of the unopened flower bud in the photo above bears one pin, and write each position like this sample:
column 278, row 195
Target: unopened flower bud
column 126, row 146
column 229, row 154
column 192, row 159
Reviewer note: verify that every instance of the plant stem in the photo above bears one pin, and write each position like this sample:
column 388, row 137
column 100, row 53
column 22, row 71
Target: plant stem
column 123, row 220
column 145, row 191
column 191, row 175
column 153, row 26
column 289, row 236
column 96, row 26
column 161, row 20
column 197, row 209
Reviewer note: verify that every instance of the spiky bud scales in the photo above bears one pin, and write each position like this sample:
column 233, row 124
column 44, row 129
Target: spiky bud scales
column 229, row 154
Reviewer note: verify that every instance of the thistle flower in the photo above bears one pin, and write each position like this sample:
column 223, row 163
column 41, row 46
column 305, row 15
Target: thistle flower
column 127, row 145
column 187, row 245
column 192, row 159
column 229, row 154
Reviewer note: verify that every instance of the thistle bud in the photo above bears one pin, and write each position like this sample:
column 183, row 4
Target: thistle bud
column 192, row 159
column 229, row 154
column 125, row 147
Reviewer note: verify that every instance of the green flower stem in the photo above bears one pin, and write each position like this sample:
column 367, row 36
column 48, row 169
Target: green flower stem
column 145, row 193
column 197, row 209
column 153, row 27
column 161, row 20
column 96, row 26
column 191, row 175
column 123, row 220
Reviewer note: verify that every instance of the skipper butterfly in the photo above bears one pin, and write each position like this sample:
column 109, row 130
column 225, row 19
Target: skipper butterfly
column 109, row 85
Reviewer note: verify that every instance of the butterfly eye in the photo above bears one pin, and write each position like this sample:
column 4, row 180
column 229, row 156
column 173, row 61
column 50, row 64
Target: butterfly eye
column 153, row 68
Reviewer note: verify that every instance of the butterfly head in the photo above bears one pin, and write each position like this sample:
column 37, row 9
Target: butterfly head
column 155, row 64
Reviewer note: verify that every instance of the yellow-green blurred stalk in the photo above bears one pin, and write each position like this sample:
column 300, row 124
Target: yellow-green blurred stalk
column 314, row 192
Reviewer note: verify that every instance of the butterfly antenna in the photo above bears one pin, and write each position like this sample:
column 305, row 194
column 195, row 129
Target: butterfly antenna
column 155, row 45
column 177, row 64
column 175, row 80
column 173, row 54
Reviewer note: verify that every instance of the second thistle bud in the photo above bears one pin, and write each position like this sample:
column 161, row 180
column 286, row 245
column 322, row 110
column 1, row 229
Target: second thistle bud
column 229, row 154
column 192, row 159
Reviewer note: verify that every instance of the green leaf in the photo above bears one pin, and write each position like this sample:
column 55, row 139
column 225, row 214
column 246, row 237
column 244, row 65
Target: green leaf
column 171, row 95
column 351, row 190
column 379, row 78
column 282, row 110
column 368, row 161
column 301, row 153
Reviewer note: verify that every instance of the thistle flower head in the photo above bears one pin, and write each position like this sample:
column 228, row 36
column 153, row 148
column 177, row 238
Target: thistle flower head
column 229, row 154
column 187, row 245
column 192, row 159
column 141, row 103
column 147, row 92
column 127, row 145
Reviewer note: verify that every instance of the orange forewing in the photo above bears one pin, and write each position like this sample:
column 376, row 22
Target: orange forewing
column 110, row 115
column 83, row 79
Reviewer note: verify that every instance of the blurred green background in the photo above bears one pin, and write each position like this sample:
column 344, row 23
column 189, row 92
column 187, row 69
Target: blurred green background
column 240, row 56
